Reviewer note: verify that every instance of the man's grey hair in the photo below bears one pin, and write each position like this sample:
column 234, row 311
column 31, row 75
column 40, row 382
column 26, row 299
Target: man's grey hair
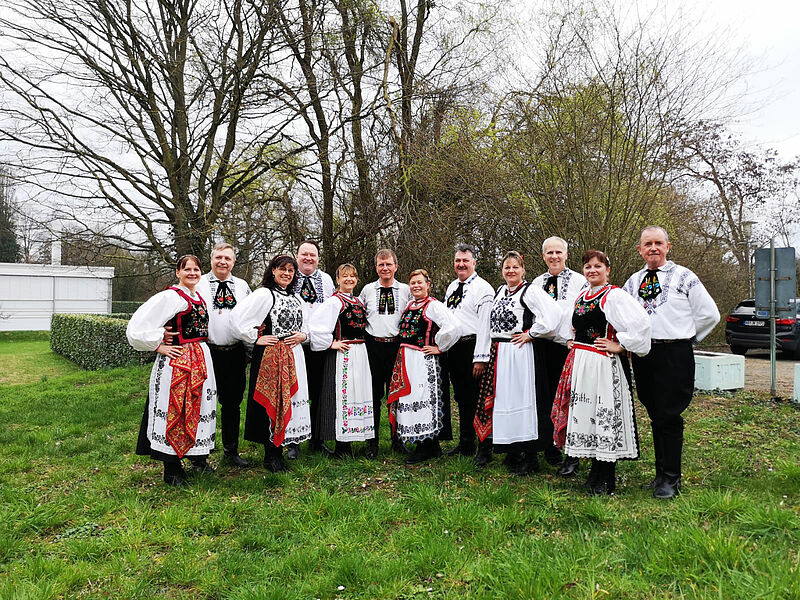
column 461, row 247
column 654, row 228
column 223, row 246
column 555, row 238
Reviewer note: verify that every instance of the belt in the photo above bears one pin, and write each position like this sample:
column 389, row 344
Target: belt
column 590, row 348
column 673, row 341
column 227, row 348
column 353, row 341
column 384, row 340
column 468, row 338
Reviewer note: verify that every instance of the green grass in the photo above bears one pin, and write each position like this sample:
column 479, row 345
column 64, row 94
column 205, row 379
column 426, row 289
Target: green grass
column 82, row 517
column 26, row 357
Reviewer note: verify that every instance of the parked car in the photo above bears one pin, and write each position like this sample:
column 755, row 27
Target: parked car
column 744, row 330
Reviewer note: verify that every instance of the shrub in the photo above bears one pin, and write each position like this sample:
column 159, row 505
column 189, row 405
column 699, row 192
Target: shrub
column 94, row 341
column 124, row 306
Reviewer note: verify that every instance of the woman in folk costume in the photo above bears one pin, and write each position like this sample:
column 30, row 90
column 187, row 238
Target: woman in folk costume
column 338, row 326
column 180, row 417
column 508, row 391
column 272, row 318
column 593, row 410
column 416, row 408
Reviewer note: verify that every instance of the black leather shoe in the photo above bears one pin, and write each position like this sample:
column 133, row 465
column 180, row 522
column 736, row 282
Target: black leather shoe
column 399, row 447
column 668, row 488
column 569, row 467
column 201, row 466
column 512, row 460
column 343, row 450
column 175, row 475
column 602, row 487
column 484, row 456
column 424, row 451
column 235, row 460
column 463, row 448
column 553, row 456
column 371, row 450
column 527, row 465
column 276, row 464
column 293, row 452
column 653, row 484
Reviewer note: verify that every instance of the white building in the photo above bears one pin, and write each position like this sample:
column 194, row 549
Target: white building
column 30, row 294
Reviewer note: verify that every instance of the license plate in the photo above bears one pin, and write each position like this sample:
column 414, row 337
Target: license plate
column 755, row 323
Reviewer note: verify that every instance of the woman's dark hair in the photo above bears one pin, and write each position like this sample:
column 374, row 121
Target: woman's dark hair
column 279, row 261
column 515, row 255
column 598, row 254
column 185, row 259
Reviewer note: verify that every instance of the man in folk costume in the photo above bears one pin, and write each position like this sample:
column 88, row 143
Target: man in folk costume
column 467, row 298
column 222, row 291
column 682, row 313
column 313, row 287
column 563, row 285
column 385, row 301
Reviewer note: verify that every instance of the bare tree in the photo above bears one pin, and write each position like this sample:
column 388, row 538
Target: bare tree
column 138, row 114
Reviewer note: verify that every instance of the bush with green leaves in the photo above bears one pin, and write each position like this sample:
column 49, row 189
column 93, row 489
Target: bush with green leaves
column 124, row 306
column 94, row 341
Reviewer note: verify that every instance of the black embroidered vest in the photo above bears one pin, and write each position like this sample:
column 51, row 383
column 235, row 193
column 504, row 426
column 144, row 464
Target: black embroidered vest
column 352, row 320
column 190, row 324
column 285, row 316
column 415, row 328
column 588, row 318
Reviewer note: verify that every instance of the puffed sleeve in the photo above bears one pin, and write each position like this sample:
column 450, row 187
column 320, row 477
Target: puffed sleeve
column 449, row 332
column 145, row 330
column 323, row 322
column 248, row 315
column 564, row 332
column 704, row 310
column 545, row 309
column 629, row 319
column 483, row 340
column 363, row 295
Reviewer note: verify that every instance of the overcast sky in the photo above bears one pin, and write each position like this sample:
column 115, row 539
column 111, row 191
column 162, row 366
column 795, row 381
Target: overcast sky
column 769, row 30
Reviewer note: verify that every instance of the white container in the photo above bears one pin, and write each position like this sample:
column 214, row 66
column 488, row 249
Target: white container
column 719, row 371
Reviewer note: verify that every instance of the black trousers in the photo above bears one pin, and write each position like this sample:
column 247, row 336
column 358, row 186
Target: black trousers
column 458, row 366
column 231, row 376
column 315, row 365
column 551, row 356
column 382, row 356
column 665, row 384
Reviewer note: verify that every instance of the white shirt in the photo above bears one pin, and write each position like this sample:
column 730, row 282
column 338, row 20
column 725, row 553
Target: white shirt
column 505, row 316
column 570, row 284
column 629, row 320
column 287, row 312
column 145, row 330
column 323, row 285
column 384, row 325
column 220, row 331
column 684, row 310
column 474, row 307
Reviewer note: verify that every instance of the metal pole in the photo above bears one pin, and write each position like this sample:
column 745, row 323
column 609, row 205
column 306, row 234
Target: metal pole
column 772, row 316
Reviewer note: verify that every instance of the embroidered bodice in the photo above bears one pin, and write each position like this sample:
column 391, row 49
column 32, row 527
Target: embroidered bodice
column 352, row 320
column 192, row 323
column 416, row 329
column 588, row 318
column 285, row 316
column 509, row 314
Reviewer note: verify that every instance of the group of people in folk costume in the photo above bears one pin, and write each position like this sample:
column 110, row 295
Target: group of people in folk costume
column 536, row 367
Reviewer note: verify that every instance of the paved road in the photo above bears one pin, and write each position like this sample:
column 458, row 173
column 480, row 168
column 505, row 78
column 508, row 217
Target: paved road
column 757, row 372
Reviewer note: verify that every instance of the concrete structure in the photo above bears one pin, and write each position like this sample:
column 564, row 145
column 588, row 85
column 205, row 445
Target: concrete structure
column 718, row 371
column 796, row 396
column 30, row 294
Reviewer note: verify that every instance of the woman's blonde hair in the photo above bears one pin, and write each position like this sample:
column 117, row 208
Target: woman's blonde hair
column 344, row 269
column 422, row 272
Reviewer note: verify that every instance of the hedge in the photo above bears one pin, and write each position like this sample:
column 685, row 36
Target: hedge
column 125, row 306
column 94, row 341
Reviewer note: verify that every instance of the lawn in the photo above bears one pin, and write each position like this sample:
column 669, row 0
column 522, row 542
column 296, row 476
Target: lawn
column 83, row 517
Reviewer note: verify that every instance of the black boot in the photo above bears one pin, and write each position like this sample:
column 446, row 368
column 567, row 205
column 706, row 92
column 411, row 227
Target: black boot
column 343, row 450
column 553, row 456
column 595, row 473
column 200, row 464
column 424, row 451
column 672, row 448
column 484, row 455
column 399, row 447
column 605, row 480
column 529, row 463
column 371, row 451
column 668, row 487
column 658, row 450
column 463, row 448
column 292, row 451
column 512, row 460
column 273, row 459
column 569, row 468
column 174, row 474
column 231, row 456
